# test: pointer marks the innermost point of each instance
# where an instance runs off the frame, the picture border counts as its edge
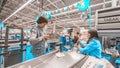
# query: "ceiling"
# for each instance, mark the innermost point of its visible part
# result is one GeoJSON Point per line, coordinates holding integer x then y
{"type": "Point", "coordinates": [26, 16]}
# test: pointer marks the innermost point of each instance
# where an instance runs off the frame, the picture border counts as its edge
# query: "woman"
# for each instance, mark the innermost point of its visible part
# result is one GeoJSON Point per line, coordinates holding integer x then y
{"type": "Point", "coordinates": [38, 42]}
{"type": "Point", "coordinates": [93, 46]}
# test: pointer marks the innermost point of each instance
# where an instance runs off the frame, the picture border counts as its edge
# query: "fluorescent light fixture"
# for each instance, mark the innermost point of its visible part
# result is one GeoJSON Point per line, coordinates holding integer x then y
{"type": "Point", "coordinates": [29, 1]}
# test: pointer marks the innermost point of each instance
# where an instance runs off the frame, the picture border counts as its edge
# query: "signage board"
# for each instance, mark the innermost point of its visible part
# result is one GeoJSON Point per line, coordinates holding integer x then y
{"type": "Point", "coordinates": [108, 21]}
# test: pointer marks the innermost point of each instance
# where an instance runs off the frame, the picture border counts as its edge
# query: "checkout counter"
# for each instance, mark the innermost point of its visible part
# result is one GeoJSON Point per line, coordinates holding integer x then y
{"type": "Point", "coordinates": [71, 59]}
{"type": "Point", "coordinates": [11, 49]}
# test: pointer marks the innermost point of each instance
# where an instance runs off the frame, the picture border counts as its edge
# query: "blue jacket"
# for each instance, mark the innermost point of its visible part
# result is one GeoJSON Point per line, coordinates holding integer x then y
{"type": "Point", "coordinates": [93, 48]}
{"type": "Point", "coordinates": [118, 46]}
{"type": "Point", "coordinates": [62, 39]}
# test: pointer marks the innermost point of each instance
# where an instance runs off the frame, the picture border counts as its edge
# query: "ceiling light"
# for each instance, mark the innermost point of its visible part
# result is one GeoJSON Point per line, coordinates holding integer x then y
{"type": "Point", "coordinates": [29, 1]}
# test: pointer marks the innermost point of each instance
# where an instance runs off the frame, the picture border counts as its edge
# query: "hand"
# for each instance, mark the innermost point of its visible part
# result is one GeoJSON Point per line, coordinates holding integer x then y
{"type": "Point", "coordinates": [46, 37]}
{"type": "Point", "coordinates": [76, 46]}
{"type": "Point", "coordinates": [79, 39]}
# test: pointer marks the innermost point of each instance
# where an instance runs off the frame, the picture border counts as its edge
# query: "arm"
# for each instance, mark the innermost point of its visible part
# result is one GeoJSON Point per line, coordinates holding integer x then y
{"type": "Point", "coordinates": [91, 46]}
{"type": "Point", "coordinates": [82, 44]}
{"type": "Point", "coordinates": [80, 38]}
{"type": "Point", "coordinates": [34, 40]}
{"type": "Point", "coordinates": [40, 38]}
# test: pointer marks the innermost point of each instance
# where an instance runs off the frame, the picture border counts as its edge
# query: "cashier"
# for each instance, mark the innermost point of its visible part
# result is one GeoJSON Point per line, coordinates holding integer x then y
{"type": "Point", "coordinates": [93, 46]}
{"type": "Point", "coordinates": [38, 42]}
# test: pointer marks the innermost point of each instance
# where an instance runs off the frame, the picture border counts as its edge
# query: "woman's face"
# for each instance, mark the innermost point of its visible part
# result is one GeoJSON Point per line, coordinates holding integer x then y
{"type": "Point", "coordinates": [41, 25]}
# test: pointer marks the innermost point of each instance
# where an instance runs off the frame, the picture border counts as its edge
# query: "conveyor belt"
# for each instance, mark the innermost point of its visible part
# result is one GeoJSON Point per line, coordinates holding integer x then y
{"type": "Point", "coordinates": [70, 60]}
{"type": "Point", "coordinates": [80, 62]}
{"type": "Point", "coordinates": [51, 61]}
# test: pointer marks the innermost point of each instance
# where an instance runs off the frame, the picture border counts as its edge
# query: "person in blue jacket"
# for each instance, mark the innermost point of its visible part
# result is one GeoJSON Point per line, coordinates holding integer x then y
{"type": "Point", "coordinates": [118, 46]}
{"type": "Point", "coordinates": [93, 46]}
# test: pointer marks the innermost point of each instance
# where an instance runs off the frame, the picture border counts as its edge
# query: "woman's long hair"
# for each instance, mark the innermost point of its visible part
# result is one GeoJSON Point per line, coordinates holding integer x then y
{"type": "Point", "coordinates": [93, 34]}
